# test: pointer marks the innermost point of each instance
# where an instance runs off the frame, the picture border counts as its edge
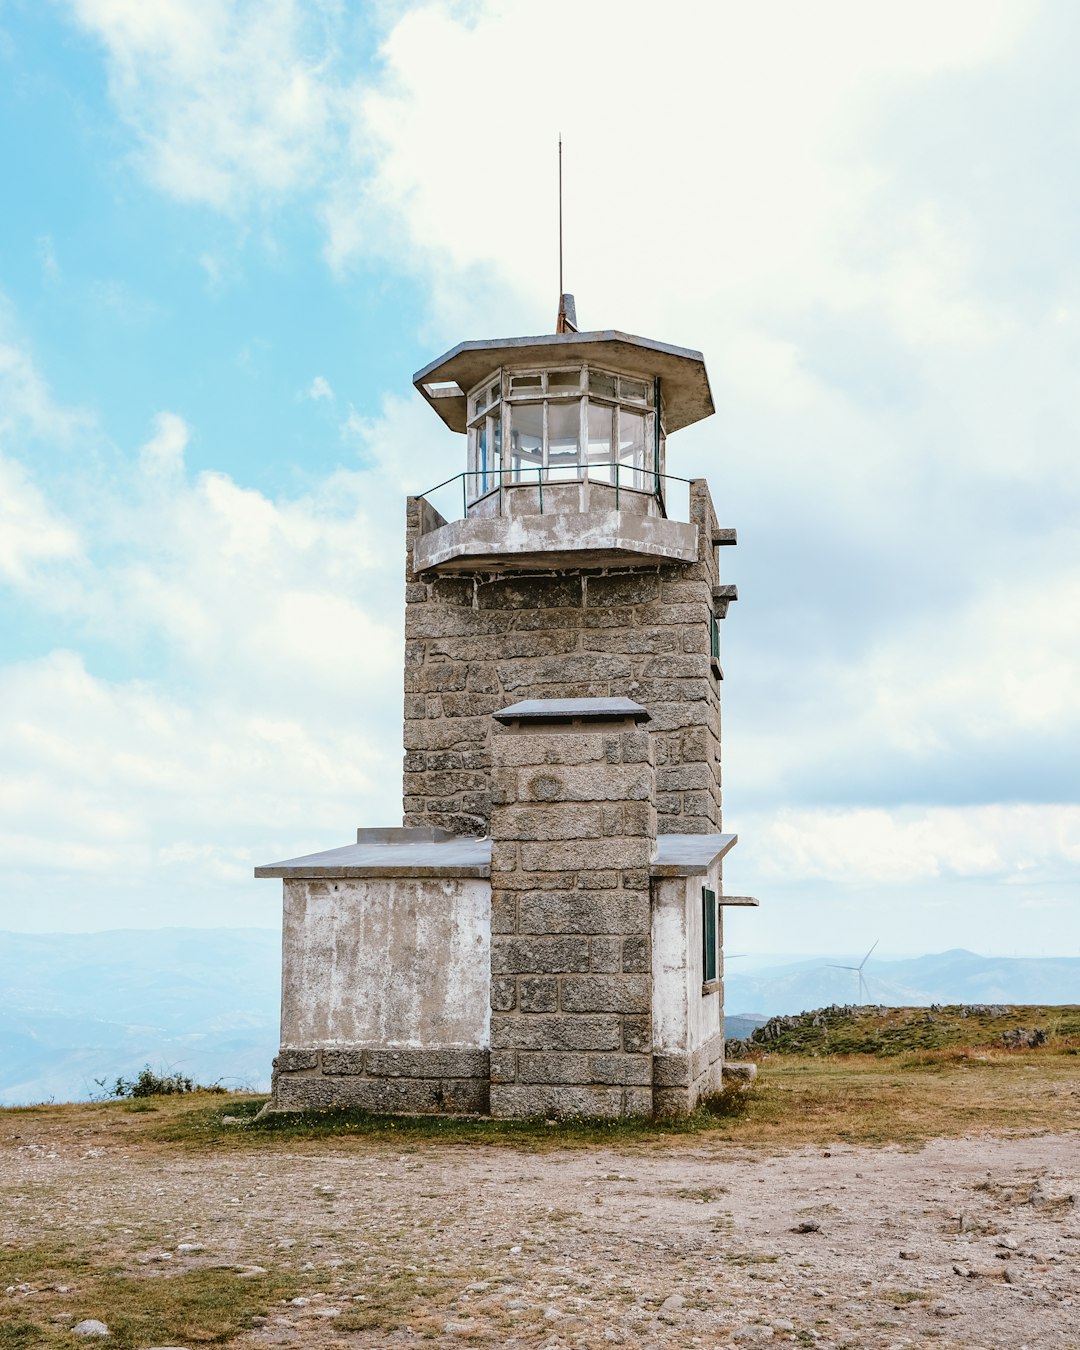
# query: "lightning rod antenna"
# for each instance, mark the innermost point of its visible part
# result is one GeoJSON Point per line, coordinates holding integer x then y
{"type": "Point", "coordinates": [567, 318]}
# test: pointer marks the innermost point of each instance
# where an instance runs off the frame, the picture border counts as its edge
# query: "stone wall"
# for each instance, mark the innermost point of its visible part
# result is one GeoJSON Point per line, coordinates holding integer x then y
{"type": "Point", "coordinates": [573, 820]}
{"type": "Point", "coordinates": [393, 1081]}
{"type": "Point", "coordinates": [475, 643]}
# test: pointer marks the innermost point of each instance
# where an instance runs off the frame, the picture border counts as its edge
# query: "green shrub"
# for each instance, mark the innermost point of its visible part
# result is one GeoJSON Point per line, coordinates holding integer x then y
{"type": "Point", "coordinates": [151, 1084]}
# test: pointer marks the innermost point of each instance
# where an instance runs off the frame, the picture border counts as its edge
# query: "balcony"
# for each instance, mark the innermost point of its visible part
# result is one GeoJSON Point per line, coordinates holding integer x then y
{"type": "Point", "coordinates": [539, 518]}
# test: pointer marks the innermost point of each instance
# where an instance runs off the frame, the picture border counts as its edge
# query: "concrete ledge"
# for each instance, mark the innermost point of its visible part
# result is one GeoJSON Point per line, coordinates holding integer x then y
{"type": "Point", "coordinates": [444, 855]}
{"type": "Point", "coordinates": [601, 538]}
{"type": "Point", "coordinates": [689, 855]}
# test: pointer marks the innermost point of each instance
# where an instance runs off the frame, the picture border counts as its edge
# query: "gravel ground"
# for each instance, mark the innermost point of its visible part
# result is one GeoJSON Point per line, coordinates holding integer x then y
{"type": "Point", "coordinates": [971, 1242]}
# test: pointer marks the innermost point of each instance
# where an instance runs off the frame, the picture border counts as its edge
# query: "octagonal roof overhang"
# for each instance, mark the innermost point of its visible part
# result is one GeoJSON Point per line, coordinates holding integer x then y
{"type": "Point", "coordinates": [445, 381]}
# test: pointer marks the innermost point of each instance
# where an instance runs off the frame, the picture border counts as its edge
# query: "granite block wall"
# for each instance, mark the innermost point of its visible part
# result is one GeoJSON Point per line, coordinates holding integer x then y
{"type": "Point", "coordinates": [573, 818]}
{"type": "Point", "coordinates": [478, 642]}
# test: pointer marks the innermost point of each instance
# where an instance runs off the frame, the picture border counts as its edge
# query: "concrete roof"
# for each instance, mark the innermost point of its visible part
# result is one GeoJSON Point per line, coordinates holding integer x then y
{"type": "Point", "coordinates": [685, 382]}
{"type": "Point", "coordinates": [385, 853]}
{"type": "Point", "coordinates": [409, 857]}
{"type": "Point", "coordinates": [582, 709]}
{"type": "Point", "coordinates": [689, 855]}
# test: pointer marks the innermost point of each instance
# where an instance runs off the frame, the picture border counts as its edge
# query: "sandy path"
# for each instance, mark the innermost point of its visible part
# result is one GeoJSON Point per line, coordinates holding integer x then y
{"type": "Point", "coordinates": [588, 1247]}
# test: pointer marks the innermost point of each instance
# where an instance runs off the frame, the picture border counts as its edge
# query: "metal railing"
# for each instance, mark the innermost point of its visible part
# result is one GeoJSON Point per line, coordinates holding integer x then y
{"type": "Point", "coordinates": [544, 474]}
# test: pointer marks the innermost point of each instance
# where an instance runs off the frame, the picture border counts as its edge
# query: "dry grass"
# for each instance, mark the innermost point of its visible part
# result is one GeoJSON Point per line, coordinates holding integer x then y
{"type": "Point", "coordinates": [205, 1306]}
{"type": "Point", "coordinates": [859, 1099]}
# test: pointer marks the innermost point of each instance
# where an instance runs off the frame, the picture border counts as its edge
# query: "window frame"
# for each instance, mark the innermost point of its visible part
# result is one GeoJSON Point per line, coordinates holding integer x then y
{"type": "Point", "coordinates": [490, 429]}
{"type": "Point", "coordinates": [710, 940]}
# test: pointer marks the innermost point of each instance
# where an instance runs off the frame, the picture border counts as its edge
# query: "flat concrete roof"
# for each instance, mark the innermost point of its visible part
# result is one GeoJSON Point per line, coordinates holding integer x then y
{"type": "Point", "coordinates": [398, 853]}
{"type": "Point", "coordinates": [581, 709]}
{"type": "Point", "coordinates": [684, 380]}
{"type": "Point", "coordinates": [689, 855]}
{"type": "Point", "coordinates": [452, 856]}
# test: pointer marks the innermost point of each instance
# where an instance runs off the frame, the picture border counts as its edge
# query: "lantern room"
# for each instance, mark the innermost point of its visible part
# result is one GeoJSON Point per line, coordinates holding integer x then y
{"type": "Point", "coordinates": [566, 439]}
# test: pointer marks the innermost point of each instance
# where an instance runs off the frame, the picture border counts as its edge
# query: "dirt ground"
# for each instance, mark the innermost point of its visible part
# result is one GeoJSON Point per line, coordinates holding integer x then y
{"type": "Point", "coordinates": [964, 1242]}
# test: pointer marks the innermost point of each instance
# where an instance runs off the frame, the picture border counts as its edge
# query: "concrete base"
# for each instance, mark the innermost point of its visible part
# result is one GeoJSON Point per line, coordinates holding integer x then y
{"type": "Point", "coordinates": [392, 1082]}
{"type": "Point", "coordinates": [680, 1081]}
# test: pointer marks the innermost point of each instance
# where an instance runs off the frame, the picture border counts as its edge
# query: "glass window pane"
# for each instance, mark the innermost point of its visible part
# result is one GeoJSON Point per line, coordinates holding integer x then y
{"type": "Point", "coordinates": [479, 484]}
{"type": "Point", "coordinates": [525, 381]}
{"type": "Point", "coordinates": [636, 390]}
{"type": "Point", "coordinates": [600, 419]}
{"type": "Point", "coordinates": [526, 440]}
{"type": "Point", "coordinates": [564, 426]}
{"type": "Point", "coordinates": [603, 386]}
{"type": "Point", "coordinates": [495, 425]}
{"type": "Point", "coordinates": [564, 379]}
{"type": "Point", "coordinates": [631, 448]}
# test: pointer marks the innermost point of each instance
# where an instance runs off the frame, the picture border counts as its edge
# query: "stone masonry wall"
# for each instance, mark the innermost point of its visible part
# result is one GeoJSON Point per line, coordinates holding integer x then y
{"type": "Point", "coordinates": [426, 1082]}
{"type": "Point", "coordinates": [573, 823]}
{"type": "Point", "coordinates": [478, 642]}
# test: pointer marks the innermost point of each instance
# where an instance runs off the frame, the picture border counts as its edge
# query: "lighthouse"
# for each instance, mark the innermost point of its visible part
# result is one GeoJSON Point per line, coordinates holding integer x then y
{"type": "Point", "coordinates": [543, 933]}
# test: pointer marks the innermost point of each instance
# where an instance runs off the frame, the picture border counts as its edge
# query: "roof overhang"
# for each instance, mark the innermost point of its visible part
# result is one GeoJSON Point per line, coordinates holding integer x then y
{"type": "Point", "coordinates": [687, 396]}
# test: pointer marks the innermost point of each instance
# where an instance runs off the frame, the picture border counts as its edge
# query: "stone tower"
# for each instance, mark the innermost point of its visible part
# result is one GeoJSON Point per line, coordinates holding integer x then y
{"type": "Point", "coordinates": [562, 746]}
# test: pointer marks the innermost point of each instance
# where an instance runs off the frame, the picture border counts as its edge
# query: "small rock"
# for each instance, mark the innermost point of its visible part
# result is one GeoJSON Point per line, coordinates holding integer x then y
{"type": "Point", "coordinates": [1009, 1242]}
{"type": "Point", "coordinates": [286, 1242]}
{"type": "Point", "coordinates": [782, 1324]}
{"type": "Point", "coordinates": [807, 1226]}
{"type": "Point", "coordinates": [90, 1326]}
{"type": "Point", "coordinates": [909, 1256]}
{"type": "Point", "coordinates": [941, 1309]}
{"type": "Point", "coordinates": [753, 1334]}
{"type": "Point", "coordinates": [250, 1272]}
{"type": "Point", "coordinates": [672, 1303]}
{"type": "Point", "coordinates": [516, 1304]}
{"type": "Point", "coordinates": [458, 1328]}
{"type": "Point", "coordinates": [187, 1247]}
{"type": "Point", "coordinates": [300, 1302]}
{"type": "Point", "coordinates": [1010, 1276]}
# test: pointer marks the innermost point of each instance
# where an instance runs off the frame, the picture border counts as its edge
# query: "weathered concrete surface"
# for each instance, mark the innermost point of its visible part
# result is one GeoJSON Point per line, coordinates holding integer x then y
{"type": "Point", "coordinates": [688, 1016]}
{"type": "Point", "coordinates": [446, 857]}
{"type": "Point", "coordinates": [603, 537]}
{"type": "Point", "coordinates": [385, 962]}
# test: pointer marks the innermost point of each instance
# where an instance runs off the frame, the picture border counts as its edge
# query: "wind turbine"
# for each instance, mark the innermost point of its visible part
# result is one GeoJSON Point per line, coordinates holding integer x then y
{"type": "Point", "coordinates": [863, 992]}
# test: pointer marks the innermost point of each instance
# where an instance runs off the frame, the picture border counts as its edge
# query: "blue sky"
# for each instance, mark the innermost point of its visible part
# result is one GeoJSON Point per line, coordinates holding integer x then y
{"type": "Point", "coordinates": [231, 231]}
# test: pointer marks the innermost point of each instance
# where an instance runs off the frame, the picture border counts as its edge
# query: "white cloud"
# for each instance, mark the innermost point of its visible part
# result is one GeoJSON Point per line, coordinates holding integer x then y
{"type": "Point", "coordinates": [268, 721]}
{"type": "Point", "coordinates": [873, 847]}
{"type": "Point", "coordinates": [30, 531]}
{"type": "Point", "coordinates": [228, 98]}
{"type": "Point", "coordinates": [319, 389]}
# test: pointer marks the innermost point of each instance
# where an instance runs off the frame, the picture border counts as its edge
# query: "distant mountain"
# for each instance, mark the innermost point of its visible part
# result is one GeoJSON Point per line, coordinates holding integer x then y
{"type": "Point", "coordinates": [956, 976]}
{"type": "Point", "coordinates": [77, 1007]}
